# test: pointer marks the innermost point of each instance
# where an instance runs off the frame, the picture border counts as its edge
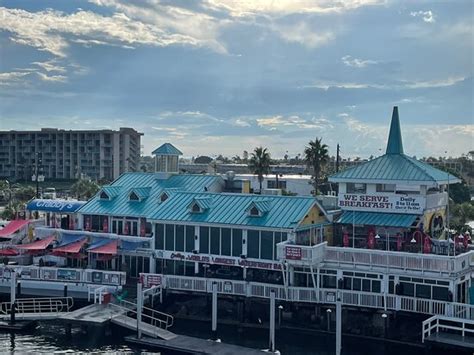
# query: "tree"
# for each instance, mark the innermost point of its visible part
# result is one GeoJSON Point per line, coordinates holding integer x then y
{"type": "Point", "coordinates": [203, 159]}
{"type": "Point", "coordinates": [84, 189]}
{"type": "Point", "coordinates": [462, 213]}
{"type": "Point", "coordinates": [25, 194]}
{"type": "Point", "coordinates": [316, 157]}
{"type": "Point", "coordinates": [259, 163]}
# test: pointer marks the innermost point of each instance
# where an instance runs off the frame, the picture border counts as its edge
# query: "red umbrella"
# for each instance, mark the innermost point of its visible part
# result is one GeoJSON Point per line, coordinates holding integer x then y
{"type": "Point", "coordinates": [105, 225]}
{"type": "Point", "coordinates": [399, 242]}
{"type": "Point", "coordinates": [427, 244]}
{"type": "Point", "coordinates": [88, 223]}
{"type": "Point", "coordinates": [126, 229]}
{"type": "Point", "coordinates": [142, 227]}
{"type": "Point", "coordinates": [371, 239]}
{"type": "Point", "coordinates": [71, 222]}
{"type": "Point", "coordinates": [345, 239]}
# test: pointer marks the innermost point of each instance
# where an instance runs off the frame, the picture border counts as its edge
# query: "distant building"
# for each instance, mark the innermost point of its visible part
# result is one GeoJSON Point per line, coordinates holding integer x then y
{"type": "Point", "coordinates": [68, 154]}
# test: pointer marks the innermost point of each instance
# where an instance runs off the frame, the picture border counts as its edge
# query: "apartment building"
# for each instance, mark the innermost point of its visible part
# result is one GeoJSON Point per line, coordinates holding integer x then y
{"type": "Point", "coordinates": [68, 154]}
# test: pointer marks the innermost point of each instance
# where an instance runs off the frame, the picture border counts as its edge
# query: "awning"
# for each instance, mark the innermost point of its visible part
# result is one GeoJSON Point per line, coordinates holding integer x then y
{"type": "Point", "coordinates": [37, 245]}
{"type": "Point", "coordinates": [8, 252]}
{"type": "Point", "coordinates": [57, 206]}
{"type": "Point", "coordinates": [110, 248]}
{"type": "Point", "coordinates": [129, 246]}
{"type": "Point", "coordinates": [13, 227]}
{"type": "Point", "coordinates": [378, 219]}
{"type": "Point", "coordinates": [72, 248]}
{"type": "Point", "coordinates": [68, 238]}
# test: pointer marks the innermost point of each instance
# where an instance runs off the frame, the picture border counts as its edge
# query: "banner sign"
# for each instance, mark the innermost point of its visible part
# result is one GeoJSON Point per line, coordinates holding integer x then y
{"type": "Point", "coordinates": [218, 260]}
{"type": "Point", "coordinates": [63, 206]}
{"type": "Point", "coordinates": [383, 203]}
{"type": "Point", "coordinates": [293, 253]}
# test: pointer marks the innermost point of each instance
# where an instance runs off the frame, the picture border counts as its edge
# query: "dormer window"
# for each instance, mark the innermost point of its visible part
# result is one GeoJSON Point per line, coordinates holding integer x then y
{"type": "Point", "coordinates": [133, 197]}
{"type": "Point", "coordinates": [195, 208]}
{"type": "Point", "coordinates": [254, 212]}
{"type": "Point", "coordinates": [103, 196]}
{"type": "Point", "coordinates": [164, 196]}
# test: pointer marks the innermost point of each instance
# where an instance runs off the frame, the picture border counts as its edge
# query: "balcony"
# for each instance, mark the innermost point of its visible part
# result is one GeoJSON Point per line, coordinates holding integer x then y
{"type": "Point", "coordinates": [301, 254]}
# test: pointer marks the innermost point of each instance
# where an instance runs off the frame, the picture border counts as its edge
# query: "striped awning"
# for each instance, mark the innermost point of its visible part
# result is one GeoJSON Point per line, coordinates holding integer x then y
{"type": "Point", "coordinates": [378, 219]}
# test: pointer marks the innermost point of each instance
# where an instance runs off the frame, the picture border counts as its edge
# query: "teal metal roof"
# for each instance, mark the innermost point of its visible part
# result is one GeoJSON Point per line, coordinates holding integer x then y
{"type": "Point", "coordinates": [204, 203]}
{"type": "Point", "coordinates": [167, 149]}
{"type": "Point", "coordinates": [262, 205]}
{"type": "Point", "coordinates": [378, 219]}
{"type": "Point", "coordinates": [142, 192]}
{"type": "Point", "coordinates": [145, 183]}
{"type": "Point", "coordinates": [231, 209]}
{"type": "Point", "coordinates": [394, 165]}
{"type": "Point", "coordinates": [111, 191]}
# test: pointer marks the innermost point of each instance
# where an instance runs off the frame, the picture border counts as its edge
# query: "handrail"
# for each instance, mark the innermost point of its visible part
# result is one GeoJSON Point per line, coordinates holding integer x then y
{"type": "Point", "coordinates": [437, 322]}
{"type": "Point", "coordinates": [38, 305]}
{"type": "Point", "coordinates": [153, 321]}
{"type": "Point", "coordinates": [169, 319]}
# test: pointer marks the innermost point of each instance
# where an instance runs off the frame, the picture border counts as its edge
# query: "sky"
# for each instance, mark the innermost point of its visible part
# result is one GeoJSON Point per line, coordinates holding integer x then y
{"type": "Point", "coordinates": [220, 77]}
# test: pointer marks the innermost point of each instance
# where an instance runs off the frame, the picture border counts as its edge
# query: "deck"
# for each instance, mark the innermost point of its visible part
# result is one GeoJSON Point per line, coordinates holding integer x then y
{"type": "Point", "coordinates": [190, 345]}
{"type": "Point", "coordinates": [451, 341]}
{"type": "Point", "coordinates": [97, 314]}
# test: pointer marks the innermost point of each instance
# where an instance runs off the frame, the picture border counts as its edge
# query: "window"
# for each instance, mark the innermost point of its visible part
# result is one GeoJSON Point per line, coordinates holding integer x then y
{"type": "Point", "coordinates": [195, 208]}
{"type": "Point", "coordinates": [189, 238]}
{"type": "Point", "coordinates": [272, 184]}
{"type": "Point", "coordinates": [204, 240]}
{"type": "Point", "coordinates": [226, 241]}
{"type": "Point", "coordinates": [254, 211]}
{"type": "Point", "coordinates": [104, 196]}
{"type": "Point", "coordinates": [169, 239]}
{"type": "Point", "coordinates": [353, 188]}
{"type": "Point", "coordinates": [266, 245]}
{"type": "Point", "coordinates": [236, 242]}
{"type": "Point", "coordinates": [179, 238]}
{"type": "Point", "coordinates": [440, 293]}
{"type": "Point", "coordinates": [385, 187]}
{"type": "Point", "coordinates": [423, 291]}
{"type": "Point", "coordinates": [159, 237]}
{"type": "Point", "coordinates": [133, 197]}
{"type": "Point", "coordinates": [215, 241]}
{"type": "Point", "coordinates": [253, 244]}
{"type": "Point", "coordinates": [163, 197]}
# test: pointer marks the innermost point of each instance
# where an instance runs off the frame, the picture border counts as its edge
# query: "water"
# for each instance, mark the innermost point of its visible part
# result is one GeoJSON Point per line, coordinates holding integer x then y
{"type": "Point", "coordinates": [51, 338]}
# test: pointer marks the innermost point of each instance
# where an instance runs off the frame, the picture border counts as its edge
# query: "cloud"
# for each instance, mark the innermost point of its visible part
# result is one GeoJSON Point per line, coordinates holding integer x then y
{"type": "Point", "coordinates": [286, 7]}
{"type": "Point", "coordinates": [427, 16]}
{"type": "Point", "coordinates": [302, 33]}
{"type": "Point", "coordinates": [15, 77]}
{"type": "Point", "coordinates": [51, 30]}
{"type": "Point", "coordinates": [357, 63]}
{"type": "Point", "coordinates": [434, 83]}
{"type": "Point", "coordinates": [50, 66]}
{"type": "Point", "coordinates": [52, 78]}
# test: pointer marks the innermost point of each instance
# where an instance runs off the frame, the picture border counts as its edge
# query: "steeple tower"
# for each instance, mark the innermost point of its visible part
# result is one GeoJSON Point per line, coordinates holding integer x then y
{"type": "Point", "coordinates": [394, 144]}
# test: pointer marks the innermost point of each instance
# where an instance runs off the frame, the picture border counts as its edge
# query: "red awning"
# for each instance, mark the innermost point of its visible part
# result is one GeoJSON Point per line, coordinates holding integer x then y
{"type": "Point", "coordinates": [8, 252]}
{"type": "Point", "coordinates": [12, 227]}
{"type": "Point", "coordinates": [72, 248]}
{"type": "Point", "coordinates": [38, 245]}
{"type": "Point", "coordinates": [109, 248]}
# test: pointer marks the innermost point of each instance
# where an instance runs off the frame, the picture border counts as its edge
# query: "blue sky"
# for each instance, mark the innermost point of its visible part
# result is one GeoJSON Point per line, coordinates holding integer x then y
{"type": "Point", "coordinates": [218, 76]}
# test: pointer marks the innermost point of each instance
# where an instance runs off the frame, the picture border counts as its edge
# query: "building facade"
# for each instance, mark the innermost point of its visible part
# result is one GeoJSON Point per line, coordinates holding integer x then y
{"type": "Point", "coordinates": [68, 154]}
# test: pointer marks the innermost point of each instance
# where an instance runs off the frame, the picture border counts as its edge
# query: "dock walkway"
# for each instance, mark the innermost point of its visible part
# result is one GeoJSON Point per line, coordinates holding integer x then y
{"type": "Point", "coordinates": [97, 314]}
{"type": "Point", "coordinates": [189, 345]}
{"type": "Point", "coordinates": [451, 341]}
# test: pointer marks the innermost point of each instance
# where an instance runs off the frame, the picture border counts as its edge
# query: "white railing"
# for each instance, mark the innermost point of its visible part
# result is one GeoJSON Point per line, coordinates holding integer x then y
{"type": "Point", "coordinates": [295, 253]}
{"type": "Point", "coordinates": [322, 296]}
{"type": "Point", "coordinates": [97, 293]}
{"type": "Point", "coordinates": [436, 323]}
{"type": "Point", "coordinates": [402, 260]}
{"type": "Point", "coordinates": [38, 305]}
{"type": "Point", "coordinates": [115, 278]}
{"type": "Point", "coordinates": [160, 319]}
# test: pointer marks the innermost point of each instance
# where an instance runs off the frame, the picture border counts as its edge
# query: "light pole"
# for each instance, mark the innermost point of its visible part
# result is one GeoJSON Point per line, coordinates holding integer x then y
{"type": "Point", "coordinates": [328, 317]}
{"type": "Point", "coordinates": [280, 309]}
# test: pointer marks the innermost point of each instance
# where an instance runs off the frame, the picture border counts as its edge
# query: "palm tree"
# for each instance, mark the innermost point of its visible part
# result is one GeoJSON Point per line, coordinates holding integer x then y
{"type": "Point", "coordinates": [316, 156]}
{"type": "Point", "coordinates": [259, 163]}
{"type": "Point", "coordinates": [84, 189]}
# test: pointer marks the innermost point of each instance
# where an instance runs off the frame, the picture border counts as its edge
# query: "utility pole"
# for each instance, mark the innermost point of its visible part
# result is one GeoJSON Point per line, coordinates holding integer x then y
{"type": "Point", "coordinates": [337, 158]}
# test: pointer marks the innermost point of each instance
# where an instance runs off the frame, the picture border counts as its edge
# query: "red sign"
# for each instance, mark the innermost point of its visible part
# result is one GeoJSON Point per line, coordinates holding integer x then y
{"type": "Point", "coordinates": [152, 280]}
{"type": "Point", "coordinates": [293, 253]}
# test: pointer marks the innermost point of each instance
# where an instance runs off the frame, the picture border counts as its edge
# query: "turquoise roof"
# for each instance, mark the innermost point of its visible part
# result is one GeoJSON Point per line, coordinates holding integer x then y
{"type": "Point", "coordinates": [142, 192]}
{"type": "Point", "coordinates": [204, 203]}
{"type": "Point", "coordinates": [144, 184]}
{"type": "Point", "coordinates": [111, 191]}
{"type": "Point", "coordinates": [378, 219]}
{"type": "Point", "coordinates": [167, 149]}
{"type": "Point", "coordinates": [232, 209]}
{"type": "Point", "coordinates": [262, 205]}
{"type": "Point", "coordinates": [394, 165]}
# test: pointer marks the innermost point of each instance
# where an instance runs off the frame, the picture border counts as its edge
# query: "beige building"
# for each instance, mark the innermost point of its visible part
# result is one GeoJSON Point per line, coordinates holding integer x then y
{"type": "Point", "coordinates": [68, 154]}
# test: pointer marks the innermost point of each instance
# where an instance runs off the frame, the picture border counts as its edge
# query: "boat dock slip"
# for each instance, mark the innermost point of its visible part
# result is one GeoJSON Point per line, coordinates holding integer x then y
{"type": "Point", "coordinates": [451, 341]}
{"type": "Point", "coordinates": [189, 345]}
{"type": "Point", "coordinates": [97, 314]}
{"type": "Point", "coordinates": [146, 328]}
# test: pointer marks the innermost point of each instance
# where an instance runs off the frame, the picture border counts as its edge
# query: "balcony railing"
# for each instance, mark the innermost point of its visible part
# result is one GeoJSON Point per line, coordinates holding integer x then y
{"type": "Point", "coordinates": [301, 254]}
{"type": "Point", "coordinates": [400, 260]}
{"type": "Point", "coordinates": [436, 200]}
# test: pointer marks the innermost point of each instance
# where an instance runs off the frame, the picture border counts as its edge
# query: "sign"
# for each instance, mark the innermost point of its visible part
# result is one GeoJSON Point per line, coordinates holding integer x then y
{"type": "Point", "coordinates": [112, 279]}
{"type": "Point", "coordinates": [152, 280]}
{"type": "Point", "coordinates": [97, 277]}
{"type": "Point", "coordinates": [228, 286]}
{"type": "Point", "coordinates": [410, 204]}
{"type": "Point", "coordinates": [218, 260]}
{"type": "Point", "coordinates": [63, 206]}
{"type": "Point", "coordinates": [292, 253]}
{"type": "Point", "coordinates": [64, 274]}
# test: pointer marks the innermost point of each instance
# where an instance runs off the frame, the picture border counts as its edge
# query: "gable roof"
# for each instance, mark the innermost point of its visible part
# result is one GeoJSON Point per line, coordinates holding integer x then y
{"type": "Point", "coordinates": [262, 205]}
{"type": "Point", "coordinates": [231, 209]}
{"type": "Point", "coordinates": [204, 203]}
{"type": "Point", "coordinates": [142, 192]}
{"type": "Point", "coordinates": [145, 183]}
{"type": "Point", "coordinates": [111, 191]}
{"type": "Point", "coordinates": [167, 149]}
{"type": "Point", "coordinates": [394, 165]}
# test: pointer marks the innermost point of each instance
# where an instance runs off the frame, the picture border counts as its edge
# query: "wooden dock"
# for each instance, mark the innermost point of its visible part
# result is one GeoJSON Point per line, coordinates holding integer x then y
{"type": "Point", "coordinates": [453, 341]}
{"type": "Point", "coordinates": [183, 344]}
{"type": "Point", "coordinates": [147, 329]}
{"type": "Point", "coordinates": [96, 314]}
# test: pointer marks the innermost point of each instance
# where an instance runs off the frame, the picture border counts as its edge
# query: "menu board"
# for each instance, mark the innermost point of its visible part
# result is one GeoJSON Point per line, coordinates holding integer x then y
{"type": "Point", "coordinates": [64, 274]}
